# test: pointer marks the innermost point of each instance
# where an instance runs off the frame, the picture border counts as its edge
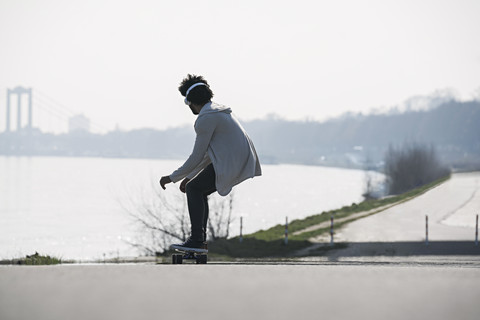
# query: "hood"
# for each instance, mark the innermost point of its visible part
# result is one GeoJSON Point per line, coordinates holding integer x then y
{"type": "Point", "coordinates": [213, 107]}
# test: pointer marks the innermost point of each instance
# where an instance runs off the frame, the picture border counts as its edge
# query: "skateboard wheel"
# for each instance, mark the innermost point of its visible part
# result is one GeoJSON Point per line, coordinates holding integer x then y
{"type": "Point", "coordinates": [202, 259]}
{"type": "Point", "coordinates": [177, 259]}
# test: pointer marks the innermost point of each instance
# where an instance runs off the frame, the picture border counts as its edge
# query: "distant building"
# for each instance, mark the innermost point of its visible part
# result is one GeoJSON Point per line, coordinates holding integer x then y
{"type": "Point", "coordinates": [78, 123]}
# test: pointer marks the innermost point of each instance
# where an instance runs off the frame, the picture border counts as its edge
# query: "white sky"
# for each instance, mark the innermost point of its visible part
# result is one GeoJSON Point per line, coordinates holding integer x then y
{"type": "Point", "coordinates": [120, 62]}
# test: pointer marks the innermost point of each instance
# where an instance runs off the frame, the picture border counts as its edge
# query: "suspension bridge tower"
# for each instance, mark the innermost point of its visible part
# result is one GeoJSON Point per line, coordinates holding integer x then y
{"type": "Point", "coordinates": [19, 91]}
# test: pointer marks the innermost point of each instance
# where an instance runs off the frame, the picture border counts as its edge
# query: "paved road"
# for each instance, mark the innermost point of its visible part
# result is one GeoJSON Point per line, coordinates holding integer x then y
{"type": "Point", "coordinates": [451, 208]}
{"type": "Point", "coordinates": [310, 290]}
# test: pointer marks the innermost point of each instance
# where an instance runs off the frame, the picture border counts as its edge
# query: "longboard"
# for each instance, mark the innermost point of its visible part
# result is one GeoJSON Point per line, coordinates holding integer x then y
{"type": "Point", "coordinates": [177, 258]}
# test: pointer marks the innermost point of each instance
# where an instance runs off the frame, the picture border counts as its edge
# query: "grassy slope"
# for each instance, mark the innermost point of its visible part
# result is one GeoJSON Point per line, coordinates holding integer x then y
{"type": "Point", "coordinates": [34, 259]}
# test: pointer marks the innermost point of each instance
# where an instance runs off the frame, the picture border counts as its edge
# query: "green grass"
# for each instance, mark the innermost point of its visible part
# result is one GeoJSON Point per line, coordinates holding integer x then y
{"type": "Point", "coordinates": [270, 243]}
{"type": "Point", "coordinates": [34, 259]}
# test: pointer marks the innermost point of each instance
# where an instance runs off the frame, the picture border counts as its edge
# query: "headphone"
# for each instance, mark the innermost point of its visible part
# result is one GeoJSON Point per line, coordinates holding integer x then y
{"type": "Point", "coordinates": [189, 89]}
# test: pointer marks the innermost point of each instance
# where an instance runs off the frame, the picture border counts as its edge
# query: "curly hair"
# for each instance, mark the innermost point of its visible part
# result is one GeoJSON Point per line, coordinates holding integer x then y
{"type": "Point", "coordinates": [198, 95]}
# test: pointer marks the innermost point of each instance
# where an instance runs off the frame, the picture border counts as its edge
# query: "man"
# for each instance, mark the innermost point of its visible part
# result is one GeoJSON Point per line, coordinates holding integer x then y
{"type": "Point", "coordinates": [222, 157]}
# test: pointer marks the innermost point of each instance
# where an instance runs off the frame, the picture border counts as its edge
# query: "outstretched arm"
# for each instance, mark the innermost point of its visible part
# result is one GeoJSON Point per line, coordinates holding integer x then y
{"type": "Point", "coordinates": [198, 159]}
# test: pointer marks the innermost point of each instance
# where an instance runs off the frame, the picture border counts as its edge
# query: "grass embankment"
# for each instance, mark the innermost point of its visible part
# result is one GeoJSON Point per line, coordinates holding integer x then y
{"type": "Point", "coordinates": [270, 243]}
{"type": "Point", "coordinates": [34, 259]}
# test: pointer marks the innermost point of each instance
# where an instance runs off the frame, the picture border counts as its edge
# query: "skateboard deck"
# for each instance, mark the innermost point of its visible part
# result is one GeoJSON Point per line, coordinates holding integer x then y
{"type": "Point", "coordinates": [199, 257]}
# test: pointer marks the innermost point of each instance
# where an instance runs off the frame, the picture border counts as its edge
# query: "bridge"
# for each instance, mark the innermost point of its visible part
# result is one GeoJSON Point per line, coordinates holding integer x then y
{"type": "Point", "coordinates": [43, 113]}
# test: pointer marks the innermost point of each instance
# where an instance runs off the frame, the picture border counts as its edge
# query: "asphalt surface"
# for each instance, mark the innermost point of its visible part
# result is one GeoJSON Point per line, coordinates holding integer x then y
{"type": "Point", "coordinates": [312, 289]}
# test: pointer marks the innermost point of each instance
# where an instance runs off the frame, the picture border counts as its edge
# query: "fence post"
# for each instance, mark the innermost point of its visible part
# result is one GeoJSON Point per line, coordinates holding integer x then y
{"type": "Point", "coordinates": [241, 227]}
{"type": "Point", "coordinates": [426, 230]}
{"type": "Point", "coordinates": [476, 232]}
{"type": "Point", "coordinates": [331, 230]}
{"type": "Point", "coordinates": [286, 230]}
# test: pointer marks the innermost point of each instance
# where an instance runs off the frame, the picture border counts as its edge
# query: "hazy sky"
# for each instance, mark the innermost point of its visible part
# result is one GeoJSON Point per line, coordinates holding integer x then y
{"type": "Point", "coordinates": [120, 62]}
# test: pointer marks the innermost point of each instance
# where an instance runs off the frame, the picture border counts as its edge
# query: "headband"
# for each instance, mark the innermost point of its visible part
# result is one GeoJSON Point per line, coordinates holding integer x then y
{"type": "Point", "coordinates": [193, 86]}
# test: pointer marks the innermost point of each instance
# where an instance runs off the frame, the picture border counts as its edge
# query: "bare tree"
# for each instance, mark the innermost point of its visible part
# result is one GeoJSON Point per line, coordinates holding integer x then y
{"type": "Point", "coordinates": [369, 187]}
{"type": "Point", "coordinates": [220, 216]}
{"type": "Point", "coordinates": [163, 219]}
{"type": "Point", "coordinates": [412, 166]}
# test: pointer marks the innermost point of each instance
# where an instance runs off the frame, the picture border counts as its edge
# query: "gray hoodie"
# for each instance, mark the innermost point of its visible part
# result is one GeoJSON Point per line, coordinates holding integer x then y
{"type": "Point", "coordinates": [222, 141]}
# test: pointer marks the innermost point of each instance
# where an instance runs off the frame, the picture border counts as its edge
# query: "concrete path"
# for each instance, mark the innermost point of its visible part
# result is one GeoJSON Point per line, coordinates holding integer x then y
{"type": "Point", "coordinates": [451, 208]}
{"type": "Point", "coordinates": [400, 229]}
{"type": "Point", "coordinates": [312, 290]}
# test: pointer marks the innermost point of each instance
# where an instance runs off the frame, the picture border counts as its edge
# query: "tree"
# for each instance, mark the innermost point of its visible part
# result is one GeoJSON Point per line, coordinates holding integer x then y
{"type": "Point", "coordinates": [220, 216]}
{"type": "Point", "coordinates": [163, 219]}
{"type": "Point", "coordinates": [412, 166]}
{"type": "Point", "coordinates": [369, 186]}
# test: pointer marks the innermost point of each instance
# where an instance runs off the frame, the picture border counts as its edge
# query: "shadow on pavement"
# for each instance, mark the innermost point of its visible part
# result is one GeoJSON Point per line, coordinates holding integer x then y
{"type": "Point", "coordinates": [434, 248]}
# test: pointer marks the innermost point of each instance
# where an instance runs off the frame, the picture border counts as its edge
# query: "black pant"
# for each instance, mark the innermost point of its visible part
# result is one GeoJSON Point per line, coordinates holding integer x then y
{"type": "Point", "coordinates": [198, 189]}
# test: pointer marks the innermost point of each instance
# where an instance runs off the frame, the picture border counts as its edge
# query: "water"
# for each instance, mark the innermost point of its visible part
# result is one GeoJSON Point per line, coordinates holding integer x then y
{"type": "Point", "coordinates": [72, 207]}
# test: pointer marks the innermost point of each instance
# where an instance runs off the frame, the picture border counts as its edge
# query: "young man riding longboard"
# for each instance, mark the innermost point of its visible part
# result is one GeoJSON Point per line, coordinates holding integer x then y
{"type": "Point", "coordinates": [223, 156]}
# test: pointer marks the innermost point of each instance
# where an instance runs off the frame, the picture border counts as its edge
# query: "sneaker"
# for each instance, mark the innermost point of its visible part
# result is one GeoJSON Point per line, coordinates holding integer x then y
{"type": "Point", "coordinates": [191, 245]}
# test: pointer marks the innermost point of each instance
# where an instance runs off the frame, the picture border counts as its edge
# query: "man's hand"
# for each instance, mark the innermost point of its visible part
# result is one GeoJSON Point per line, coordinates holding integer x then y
{"type": "Point", "coordinates": [164, 181]}
{"type": "Point", "coordinates": [184, 184]}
